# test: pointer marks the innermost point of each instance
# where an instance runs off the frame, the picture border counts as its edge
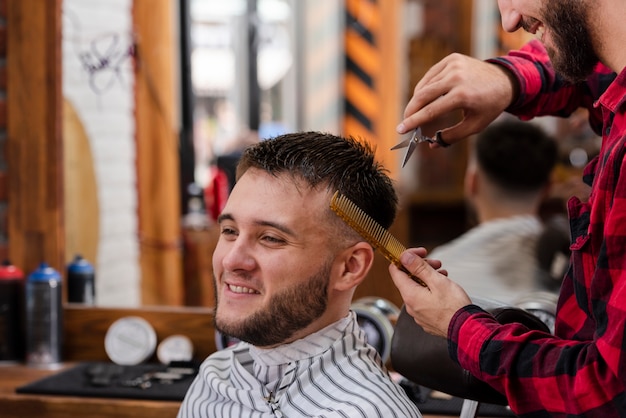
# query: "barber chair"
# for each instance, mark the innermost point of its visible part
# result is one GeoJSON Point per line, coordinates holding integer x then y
{"type": "Point", "coordinates": [423, 359]}
{"type": "Point", "coordinates": [375, 316]}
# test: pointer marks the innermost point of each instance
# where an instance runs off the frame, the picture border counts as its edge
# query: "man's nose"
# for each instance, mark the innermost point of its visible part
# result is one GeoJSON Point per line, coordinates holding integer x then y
{"type": "Point", "coordinates": [238, 255]}
{"type": "Point", "coordinates": [511, 18]}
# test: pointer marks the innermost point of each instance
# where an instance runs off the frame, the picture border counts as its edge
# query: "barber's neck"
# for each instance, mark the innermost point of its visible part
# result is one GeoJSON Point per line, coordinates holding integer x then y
{"type": "Point", "coordinates": [609, 44]}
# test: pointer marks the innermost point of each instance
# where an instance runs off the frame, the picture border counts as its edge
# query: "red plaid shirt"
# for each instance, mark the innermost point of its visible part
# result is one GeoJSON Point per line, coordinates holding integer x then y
{"type": "Point", "coordinates": [582, 369]}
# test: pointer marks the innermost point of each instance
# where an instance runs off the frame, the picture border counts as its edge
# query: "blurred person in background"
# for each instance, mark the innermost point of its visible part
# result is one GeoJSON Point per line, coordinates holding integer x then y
{"type": "Point", "coordinates": [507, 178]}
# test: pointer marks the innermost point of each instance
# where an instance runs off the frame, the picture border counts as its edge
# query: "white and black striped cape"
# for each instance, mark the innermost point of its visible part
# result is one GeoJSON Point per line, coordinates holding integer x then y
{"type": "Point", "coordinates": [331, 373]}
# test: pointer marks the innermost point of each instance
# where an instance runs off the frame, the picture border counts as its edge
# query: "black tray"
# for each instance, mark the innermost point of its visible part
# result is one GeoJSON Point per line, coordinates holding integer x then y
{"type": "Point", "coordinates": [79, 381]}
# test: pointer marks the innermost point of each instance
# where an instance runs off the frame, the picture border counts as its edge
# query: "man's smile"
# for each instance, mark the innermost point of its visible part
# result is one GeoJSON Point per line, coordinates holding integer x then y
{"type": "Point", "coordinates": [241, 289]}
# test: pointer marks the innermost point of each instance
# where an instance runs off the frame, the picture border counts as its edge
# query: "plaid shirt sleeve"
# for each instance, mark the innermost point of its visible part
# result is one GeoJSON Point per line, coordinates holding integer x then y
{"type": "Point", "coordinates": [581, 370]}
{"type": "Point", "coordinates": [543, 92]}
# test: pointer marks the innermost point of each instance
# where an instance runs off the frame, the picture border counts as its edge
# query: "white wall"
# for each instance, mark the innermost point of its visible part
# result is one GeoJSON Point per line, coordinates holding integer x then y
{"type": "Point", "coordinates": [98, 81]}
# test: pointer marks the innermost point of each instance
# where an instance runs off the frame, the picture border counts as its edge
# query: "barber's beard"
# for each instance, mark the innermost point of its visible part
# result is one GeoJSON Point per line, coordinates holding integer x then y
{"type": "Point", "coordinates": [287, 312]}
{"type": "Point", "coordinates": [573, 55]}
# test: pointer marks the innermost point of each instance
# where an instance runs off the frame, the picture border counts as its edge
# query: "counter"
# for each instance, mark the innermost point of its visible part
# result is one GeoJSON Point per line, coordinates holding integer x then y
{"type": "Point", "coordinates": [14, 405]}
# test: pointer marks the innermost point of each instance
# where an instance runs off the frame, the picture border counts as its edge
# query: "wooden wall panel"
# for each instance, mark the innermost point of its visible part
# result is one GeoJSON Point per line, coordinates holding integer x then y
{"type": "Point", "coordinates": [34, 146]}
{"type": "Point", "coordinates": [3, 117]}
{"type": "Point", "coordinates": [85, 329]}
{"type": "Point", "coordinates": [157, 153]}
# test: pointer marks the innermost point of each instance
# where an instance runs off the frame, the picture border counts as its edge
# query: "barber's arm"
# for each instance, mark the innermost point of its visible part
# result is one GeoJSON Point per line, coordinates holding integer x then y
{"type": "Point", "coordinates": [533, 369]}
{"type": "Point", "coordinates": [522, 82]}
{"type": "Point", "coordinates": [544, 92]}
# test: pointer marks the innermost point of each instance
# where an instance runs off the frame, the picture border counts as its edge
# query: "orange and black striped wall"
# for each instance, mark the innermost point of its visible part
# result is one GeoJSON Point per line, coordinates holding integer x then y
{"type": "Point", "coordinates": [372, 88]}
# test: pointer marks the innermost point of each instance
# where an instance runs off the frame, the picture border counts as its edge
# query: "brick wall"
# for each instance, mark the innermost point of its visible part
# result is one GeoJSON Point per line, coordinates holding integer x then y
{"type": "Point", "coordinates": [98, 81]}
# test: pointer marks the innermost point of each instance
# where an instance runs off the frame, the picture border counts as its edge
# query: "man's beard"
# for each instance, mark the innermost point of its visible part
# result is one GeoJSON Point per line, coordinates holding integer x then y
{"type": "Point", "coordinates": [287, 312]}
{"type": "Point", "coordinates": [573, 55]}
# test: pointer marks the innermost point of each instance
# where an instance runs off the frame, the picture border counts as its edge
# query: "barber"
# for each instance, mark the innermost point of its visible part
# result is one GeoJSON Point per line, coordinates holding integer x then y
{"type": "Point", "coordinates": [578, 61]}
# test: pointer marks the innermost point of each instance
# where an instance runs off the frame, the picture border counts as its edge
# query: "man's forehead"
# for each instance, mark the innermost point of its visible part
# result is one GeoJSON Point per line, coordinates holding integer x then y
{"type": "Point", "coordinates": [282, 197]}
{"type": "Point", "coordinates": [288, 183]}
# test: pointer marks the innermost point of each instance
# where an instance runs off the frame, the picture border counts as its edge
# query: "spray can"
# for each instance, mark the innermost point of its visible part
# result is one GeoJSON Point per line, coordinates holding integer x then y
{"type": "Point", "coordinates": [44, 317]}
{"type": "Point", "coordinates": [11, 313]}
{"type": "Point", "coordinates": [80, 282]}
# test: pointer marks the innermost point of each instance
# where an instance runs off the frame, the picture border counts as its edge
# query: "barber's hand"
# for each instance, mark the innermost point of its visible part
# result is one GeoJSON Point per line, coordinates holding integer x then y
{"type": "Point", "coordinates": [479, 89]}
{"type": "Point", "coordinates": [432, 307]}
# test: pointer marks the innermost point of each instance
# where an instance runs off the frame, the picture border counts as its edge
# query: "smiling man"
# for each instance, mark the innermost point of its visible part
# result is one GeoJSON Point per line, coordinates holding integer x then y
{"type": "Point", "coordinates": [577, 61]}
{"type": "Point", "coordinates": [285, 270]}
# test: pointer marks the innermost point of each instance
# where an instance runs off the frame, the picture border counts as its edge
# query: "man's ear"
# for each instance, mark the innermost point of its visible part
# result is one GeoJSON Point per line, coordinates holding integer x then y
{"type": "Point", "coordinates": [352, 266]}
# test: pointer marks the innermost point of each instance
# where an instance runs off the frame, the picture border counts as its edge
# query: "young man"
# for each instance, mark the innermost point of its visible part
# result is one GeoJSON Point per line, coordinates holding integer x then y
{"type": "Point", "coordinates": [285, 269]}
{"type": "Point", "coordinates": [578, 61]}
{"type": "Point", "coordinates": [508, 176]}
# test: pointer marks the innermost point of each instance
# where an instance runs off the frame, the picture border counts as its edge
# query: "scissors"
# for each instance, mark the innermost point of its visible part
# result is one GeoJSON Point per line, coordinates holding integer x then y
{"type": "Point", "coordinates": [418, 138]}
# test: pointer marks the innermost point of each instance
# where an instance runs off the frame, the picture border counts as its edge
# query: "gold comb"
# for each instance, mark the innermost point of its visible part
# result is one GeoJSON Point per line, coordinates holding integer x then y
{"type": "Point", "coordinates": [371, 231]}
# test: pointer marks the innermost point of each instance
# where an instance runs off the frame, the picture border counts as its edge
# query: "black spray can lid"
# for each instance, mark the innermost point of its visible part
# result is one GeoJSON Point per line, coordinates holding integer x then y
{"type": "Point", "coordinates": [80, 266]}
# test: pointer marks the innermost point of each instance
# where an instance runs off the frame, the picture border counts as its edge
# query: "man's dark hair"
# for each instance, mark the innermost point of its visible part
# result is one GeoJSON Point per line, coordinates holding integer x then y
{"type": "Point", "coordinates": [517, 156]}
{"type": "Point", "coordinates": [325, 160]}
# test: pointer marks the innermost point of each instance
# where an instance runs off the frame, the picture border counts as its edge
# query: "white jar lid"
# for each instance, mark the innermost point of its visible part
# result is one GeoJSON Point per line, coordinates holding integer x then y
{"type": "Point", "coordinates": [175, 348]}
{"type": "Point", "coordinates": [130, 340]}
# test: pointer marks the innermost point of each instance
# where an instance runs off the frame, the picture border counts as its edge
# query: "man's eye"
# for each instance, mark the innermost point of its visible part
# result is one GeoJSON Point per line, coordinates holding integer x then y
{"type": "Point", "coordinates": [273, 240]}
{"type": "Point", "coordinates": [228, 231]}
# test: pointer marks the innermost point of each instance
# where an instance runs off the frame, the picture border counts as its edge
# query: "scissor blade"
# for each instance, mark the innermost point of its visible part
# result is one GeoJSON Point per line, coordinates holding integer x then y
{"type": "Point", "coordinates": [409, 152]}
{"type": "Point", "coordinates": [402, 144]}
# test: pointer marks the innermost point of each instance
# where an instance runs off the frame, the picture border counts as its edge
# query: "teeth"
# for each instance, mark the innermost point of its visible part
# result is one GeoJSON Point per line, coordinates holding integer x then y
{"type": "Point", "coordinates": [241, 289]}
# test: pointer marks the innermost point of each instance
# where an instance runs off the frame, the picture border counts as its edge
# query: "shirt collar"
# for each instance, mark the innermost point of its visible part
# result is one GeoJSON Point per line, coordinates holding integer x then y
{"type": "Point", "coordinates": [614, 96]}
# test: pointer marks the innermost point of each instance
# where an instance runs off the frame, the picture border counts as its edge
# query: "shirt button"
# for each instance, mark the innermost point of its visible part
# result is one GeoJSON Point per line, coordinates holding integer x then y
{"type": "Point", "coordinates": [607, 131]}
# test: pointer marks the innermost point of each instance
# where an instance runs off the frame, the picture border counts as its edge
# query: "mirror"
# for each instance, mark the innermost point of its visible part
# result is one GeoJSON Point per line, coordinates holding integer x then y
{"type": "Point", "coordinates": [120, 95]}
{"type": "Point", "coordinates": [109, 78]}
{"type": "Point", "coordinates": [118, 67]}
